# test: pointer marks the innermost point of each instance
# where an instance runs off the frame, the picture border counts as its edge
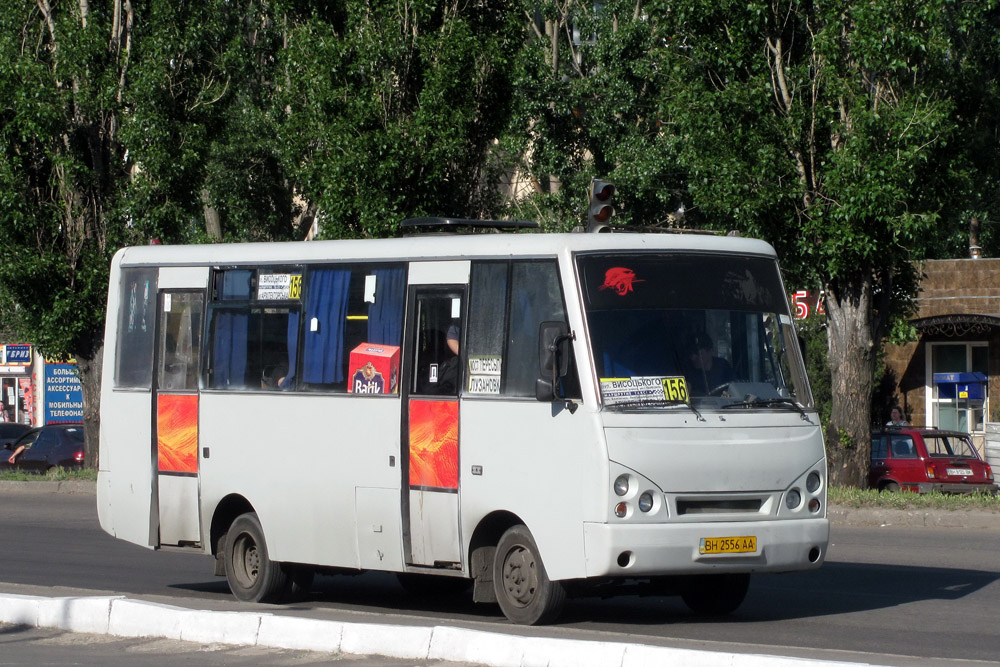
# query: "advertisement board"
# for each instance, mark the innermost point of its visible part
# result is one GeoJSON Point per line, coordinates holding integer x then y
{"type": "Point", "coordinates": [63, 394]}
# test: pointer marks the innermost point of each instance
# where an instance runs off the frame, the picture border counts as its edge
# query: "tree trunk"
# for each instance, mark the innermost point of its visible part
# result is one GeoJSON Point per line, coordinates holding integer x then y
{"type": "Point", "coordinates": [90, 381]}
{"type": "Point", "coordinates": [852, 360]}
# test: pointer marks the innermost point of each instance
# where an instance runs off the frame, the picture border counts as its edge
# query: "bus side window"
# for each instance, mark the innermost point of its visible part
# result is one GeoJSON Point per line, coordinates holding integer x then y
{"type": "Point", "coordinates": [508, 303]}
{"type": "Point", "coordinates": [134, 356]}
{"type": "Point", "coordinates": [535, 297]}
{"type": "Point", "coordinates": [250, 348]}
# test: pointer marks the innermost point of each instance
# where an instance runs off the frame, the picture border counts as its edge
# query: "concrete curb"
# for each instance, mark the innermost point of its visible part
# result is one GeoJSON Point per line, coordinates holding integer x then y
{"type": "Point", "coordinates": [122, 617]}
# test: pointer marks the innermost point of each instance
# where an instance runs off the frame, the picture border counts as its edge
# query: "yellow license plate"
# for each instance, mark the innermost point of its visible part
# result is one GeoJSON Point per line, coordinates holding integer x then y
{"type": "Point", "coordinates": [728, 545]}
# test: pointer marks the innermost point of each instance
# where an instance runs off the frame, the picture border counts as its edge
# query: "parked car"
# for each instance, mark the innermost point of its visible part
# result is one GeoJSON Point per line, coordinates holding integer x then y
{"type": "Point", "coordinates": [10, 432]}
{"type": "Point", "coordinates": [47, 447]}
{"type": "Point", "coordinates": [925, 460]}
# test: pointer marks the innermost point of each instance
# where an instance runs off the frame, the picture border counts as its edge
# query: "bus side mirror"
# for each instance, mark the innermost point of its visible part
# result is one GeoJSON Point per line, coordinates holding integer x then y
{"type": "Point", "coordinates": [553, 358]}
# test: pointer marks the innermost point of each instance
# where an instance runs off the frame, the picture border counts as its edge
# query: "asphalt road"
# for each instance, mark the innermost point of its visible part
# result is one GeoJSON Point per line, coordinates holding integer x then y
{"type": "Point", "coordinates": [887, 595]}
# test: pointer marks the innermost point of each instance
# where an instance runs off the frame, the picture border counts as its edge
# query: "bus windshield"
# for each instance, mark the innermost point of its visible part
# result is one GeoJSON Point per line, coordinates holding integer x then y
{"type": "Point", "coordinates": [708, 330]}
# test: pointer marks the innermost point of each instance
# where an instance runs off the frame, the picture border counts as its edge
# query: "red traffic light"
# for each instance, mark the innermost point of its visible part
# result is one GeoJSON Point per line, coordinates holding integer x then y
{"type": "Point", "coordinates": [601, 207]}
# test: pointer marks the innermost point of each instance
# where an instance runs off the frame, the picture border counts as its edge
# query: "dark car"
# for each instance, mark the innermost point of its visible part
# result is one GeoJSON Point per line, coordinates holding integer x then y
{"type": "Point", "coordinates": [925, 460]}
{"type": "Point", "coordinates": [47, 447]}
{"type": "Point", "coordinates": [10, 432]}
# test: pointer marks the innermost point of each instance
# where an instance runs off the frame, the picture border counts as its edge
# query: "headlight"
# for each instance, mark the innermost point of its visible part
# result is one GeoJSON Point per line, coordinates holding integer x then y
{"type": "Point", "coordinates": [621, 509]}
{"type": "Point", "coordinates": [646, 502]}
{"type": "Point", "coordinates": [812, 482]}
{"type": "Point", "coordinates": [621, 485]}
{"type": "Point", "coordinates": [793, 499]}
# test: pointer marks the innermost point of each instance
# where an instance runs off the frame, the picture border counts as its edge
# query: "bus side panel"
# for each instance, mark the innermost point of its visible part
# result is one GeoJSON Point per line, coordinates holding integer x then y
{"type": "Point", "coordinates": [542, 463]}
{"type": "Point", "coordinates": [300, 460]}
{"type": "Point", "coordinates": [125, 480]}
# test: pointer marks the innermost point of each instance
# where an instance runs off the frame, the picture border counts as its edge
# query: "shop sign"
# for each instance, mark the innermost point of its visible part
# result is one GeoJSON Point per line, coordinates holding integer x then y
{"type": "Point", "coordinates": [63, 394]}
{"type": "Point", "coordinates": [17, 355]}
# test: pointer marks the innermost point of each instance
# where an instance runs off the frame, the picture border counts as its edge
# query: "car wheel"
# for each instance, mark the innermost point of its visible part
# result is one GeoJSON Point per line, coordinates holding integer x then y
{"type": "Point", "coordinates": [252, 575]}
{"type": "Point", "coordinates": [523, 589]}
{"type": "Point", "coordinates": [891, 487]}
{"type": "Point", "coordinates": [715, 594]}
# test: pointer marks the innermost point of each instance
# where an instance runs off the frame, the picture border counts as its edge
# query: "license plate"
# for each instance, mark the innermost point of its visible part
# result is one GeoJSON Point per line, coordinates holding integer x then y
{"type": "Point", "coordinates": [728, 545]}
{"type": "Point", "coordinates": [959, 472]}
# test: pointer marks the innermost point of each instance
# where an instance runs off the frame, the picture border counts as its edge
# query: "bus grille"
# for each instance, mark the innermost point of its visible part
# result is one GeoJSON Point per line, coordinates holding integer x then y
{"type": "Point", "coordinates": [727, 506]}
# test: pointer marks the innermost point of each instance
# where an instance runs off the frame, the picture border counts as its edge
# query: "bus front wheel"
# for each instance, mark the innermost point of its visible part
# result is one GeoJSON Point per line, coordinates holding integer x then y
{"type": "Point", "coordinates": [252, 575]}
{"type": "Point", "coordinates": [524, 591]}
{"type": "Point", "coordinates": [715, 594]}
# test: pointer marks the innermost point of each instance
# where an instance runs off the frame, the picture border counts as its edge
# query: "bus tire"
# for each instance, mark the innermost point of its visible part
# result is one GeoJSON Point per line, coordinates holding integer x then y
{"type": "Point", "coordinates": [526, 594]}
{"type": "Point", "coordinates": [715, 594]}
{"type": "Point", "coordinates": [252, 575]}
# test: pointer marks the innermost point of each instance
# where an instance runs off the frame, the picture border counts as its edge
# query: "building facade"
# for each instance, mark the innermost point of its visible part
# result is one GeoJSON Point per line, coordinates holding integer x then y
{"type": "Point", "coordinates": [948, 376]}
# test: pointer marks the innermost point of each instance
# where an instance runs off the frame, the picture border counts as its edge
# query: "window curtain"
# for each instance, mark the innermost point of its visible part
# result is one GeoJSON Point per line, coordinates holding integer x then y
{"type": "Point", "coordinates": [385, 316]}
{"type": "Point", "coordinates": [323, 358]}
{"type": "Point", "coordinates": [230, 349]}
{"type": "Point", "coordinates": [293, 345]}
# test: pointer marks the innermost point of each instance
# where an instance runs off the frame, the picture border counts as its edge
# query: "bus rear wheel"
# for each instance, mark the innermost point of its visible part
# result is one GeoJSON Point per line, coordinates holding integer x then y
{"type": "Point", "coordinates": [526, 594]}
{"type": "Point", "coordinates": [252, 575]}
{"type": "Point", "coordinates": [715, 594]}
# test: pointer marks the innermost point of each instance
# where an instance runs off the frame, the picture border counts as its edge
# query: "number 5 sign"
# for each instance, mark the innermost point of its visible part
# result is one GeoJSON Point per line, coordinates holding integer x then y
{"type": "Point", "coordinates": [805, 302]}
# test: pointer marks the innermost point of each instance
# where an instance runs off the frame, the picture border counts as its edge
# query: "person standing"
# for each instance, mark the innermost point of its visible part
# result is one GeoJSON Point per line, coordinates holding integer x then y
{"type": "Point", "coordinates": [896, 417]}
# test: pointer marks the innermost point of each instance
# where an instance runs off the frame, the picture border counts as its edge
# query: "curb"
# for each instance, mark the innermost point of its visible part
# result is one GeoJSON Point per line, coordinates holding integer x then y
{"type": "Point", "coordinates": [119, 616]}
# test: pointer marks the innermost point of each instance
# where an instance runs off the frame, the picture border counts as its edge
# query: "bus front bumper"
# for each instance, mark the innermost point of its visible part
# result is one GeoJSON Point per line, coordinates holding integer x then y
{"type": "Point", "coordinates": [643, 550]}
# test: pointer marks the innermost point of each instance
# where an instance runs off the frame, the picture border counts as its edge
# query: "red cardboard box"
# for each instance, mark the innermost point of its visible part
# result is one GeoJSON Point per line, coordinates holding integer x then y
{"type": "Point", "coordinates": [374, 369]}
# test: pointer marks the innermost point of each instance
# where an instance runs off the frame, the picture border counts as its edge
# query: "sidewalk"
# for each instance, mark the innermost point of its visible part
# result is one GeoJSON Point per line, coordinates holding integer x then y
{"type": "Point", "coordinates": [123, 617]}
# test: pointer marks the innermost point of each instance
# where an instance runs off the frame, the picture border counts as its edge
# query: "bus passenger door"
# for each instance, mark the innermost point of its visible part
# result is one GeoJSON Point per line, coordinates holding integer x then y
{"type": "Point", "coordinates": [175, 401]}
{"type": "Point", "coordinates": [430, 426]}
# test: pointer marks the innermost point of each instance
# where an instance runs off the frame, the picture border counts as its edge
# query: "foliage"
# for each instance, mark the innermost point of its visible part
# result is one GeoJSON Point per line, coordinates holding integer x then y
{"type": "Point", "coordinates": [392, 110]}
{"type": "Point", "coordinates": [838, 131]}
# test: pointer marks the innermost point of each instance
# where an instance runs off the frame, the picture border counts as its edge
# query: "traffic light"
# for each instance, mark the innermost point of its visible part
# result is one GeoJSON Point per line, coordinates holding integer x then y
{"type": "Point", "coordinates": [601, 207]}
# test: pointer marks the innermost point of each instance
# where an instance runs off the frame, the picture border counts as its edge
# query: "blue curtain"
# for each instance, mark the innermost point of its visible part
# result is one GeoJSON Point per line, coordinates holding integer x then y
{"type": "Point", "coordinates": [324, 356]}
{"type": "Point", "coordinates": [385, 316]}
{"type": "Point", "coordinates": [293, 344]}
{"type": "Point", "coordinates": [230, 349]}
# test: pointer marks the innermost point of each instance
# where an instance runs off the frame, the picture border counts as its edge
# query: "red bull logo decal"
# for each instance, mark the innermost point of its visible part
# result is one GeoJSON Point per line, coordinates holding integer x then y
{"type": "Point", "coordinates": [620, 280]}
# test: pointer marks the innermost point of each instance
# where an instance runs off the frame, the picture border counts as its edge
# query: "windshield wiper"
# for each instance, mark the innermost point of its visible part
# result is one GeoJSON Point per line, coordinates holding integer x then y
{"type": "Point", "coordinates": [767, 403]}
{"type": "Point", "coordinates": [658, 403]}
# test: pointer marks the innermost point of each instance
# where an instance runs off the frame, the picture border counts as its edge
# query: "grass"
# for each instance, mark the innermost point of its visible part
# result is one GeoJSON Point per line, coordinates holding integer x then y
{"type": "Point", "coordinates": [906, 501]}
{"type": "Point", "coordinates": [835, 495]}
{"type": "Point", "coordinates": [57, 475]}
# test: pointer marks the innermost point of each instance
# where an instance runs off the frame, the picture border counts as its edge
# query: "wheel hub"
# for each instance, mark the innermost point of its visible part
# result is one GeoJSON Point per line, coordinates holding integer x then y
{"type": "Point", "coordinates": [519, 576]}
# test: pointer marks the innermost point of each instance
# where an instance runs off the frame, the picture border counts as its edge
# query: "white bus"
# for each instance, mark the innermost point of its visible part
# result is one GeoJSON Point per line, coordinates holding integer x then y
{"type": "Point", "coordinates": [523, 414]}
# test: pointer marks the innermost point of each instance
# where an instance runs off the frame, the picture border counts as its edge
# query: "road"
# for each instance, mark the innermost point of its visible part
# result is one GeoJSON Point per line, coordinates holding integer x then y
{"type": "Point", "coordinates": [886, 595]}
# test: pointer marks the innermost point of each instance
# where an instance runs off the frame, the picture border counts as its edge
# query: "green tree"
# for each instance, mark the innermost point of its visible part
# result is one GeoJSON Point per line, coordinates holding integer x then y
{"type": "Point", "coordinates": [854, 136]}
{"type": "Point", "coordinates": [393, 109]}
{"type": "Point", "coordinates": [120, 124]}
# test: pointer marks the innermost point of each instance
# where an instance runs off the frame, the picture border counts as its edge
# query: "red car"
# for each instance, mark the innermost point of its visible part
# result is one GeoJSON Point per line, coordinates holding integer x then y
{"type": "Point", "coordinates": [925, 460]}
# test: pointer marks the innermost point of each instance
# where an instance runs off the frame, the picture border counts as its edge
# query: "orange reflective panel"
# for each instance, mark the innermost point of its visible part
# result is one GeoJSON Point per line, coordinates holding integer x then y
{"type": "Point", "coordinates": [177, 433]}
{"type": "Point", "coordinates": [434, 444]}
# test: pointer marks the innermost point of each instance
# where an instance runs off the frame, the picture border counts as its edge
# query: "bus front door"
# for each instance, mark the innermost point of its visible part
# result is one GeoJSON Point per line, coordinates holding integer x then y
{"type": "Point", "coordinates": [430, 427]}
{"type": "Point", "coordinates": [175, 401]}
